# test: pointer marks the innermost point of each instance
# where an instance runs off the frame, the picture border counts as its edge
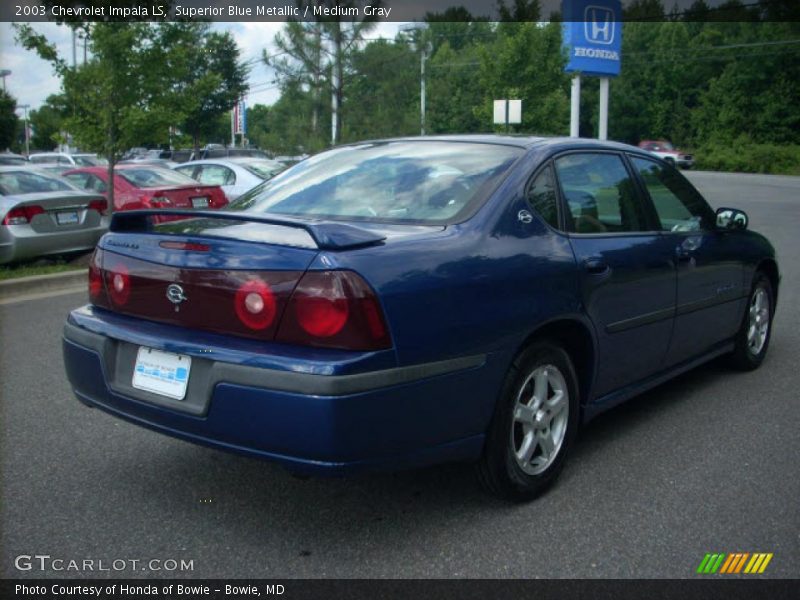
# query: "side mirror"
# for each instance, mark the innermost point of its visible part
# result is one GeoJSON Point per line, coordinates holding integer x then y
{"type": "Point", "coordinates": [731, 218]}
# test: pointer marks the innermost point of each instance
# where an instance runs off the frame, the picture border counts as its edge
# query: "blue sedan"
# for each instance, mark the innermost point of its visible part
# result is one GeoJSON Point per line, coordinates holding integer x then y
{"type": "Point", "coordinates": [407, 302]}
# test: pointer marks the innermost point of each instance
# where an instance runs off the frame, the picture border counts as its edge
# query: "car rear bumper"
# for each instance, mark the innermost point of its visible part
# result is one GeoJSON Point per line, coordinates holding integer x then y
{"type": "Point", "coordinates": [20, 242]}
{"type": "Point", "coordinates": [326, 424]}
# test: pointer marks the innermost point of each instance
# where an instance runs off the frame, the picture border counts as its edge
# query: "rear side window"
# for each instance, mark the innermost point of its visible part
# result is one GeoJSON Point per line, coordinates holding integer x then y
{"type": "Point", "coordinates": [216, 175]}
{"type": "Point", "coordinates": [600, 194]}
{"type": "Point", "coordinates": [542, 197]}
{"type": "Point", "coordinates": [678, 205]}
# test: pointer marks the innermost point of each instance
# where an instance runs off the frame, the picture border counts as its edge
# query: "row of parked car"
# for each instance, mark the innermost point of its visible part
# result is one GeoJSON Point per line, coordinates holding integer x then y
{"type": "Point", "coordinates": [60, 205]}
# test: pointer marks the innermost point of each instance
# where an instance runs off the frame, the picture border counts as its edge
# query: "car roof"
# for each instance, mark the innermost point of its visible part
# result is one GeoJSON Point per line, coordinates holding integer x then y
{"type": "Point", "coordinates": [520, 141]}
{"type": "Point", "coordinates": [227, 160]}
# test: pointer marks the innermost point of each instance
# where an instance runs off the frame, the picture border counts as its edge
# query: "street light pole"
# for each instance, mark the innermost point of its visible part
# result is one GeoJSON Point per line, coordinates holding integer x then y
{"type": "Point", "coordinates": [4, 73]}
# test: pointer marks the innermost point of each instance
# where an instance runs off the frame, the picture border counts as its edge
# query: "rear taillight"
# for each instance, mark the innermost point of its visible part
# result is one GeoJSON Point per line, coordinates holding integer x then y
{"type": "Point", "coordinates": [97, 290]}
{"type": "Point", "coordinates": [218, 199]}
{"type": "Point", "coordinates": [100, 206]}
{"type": "Point", "coordinates": [334, 309]}
{"type": "Point", "coordinates": [157, 200]}
{"type": "Point", "coordinates": [255, 304]}
{"type": "Point", "coordinates": [21, 215]}
{"type": "Point", "coordinates": [118, 281]}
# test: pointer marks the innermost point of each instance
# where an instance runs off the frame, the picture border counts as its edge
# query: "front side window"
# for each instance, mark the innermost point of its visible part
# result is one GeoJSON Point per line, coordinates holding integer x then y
{"type": "Point", "coordinates": [677, 203]}
{"type": "Point", "coordinates": [600, 194]}
{"type": "Point", "coordinates": [542, 197]}
{"type": "Point", "coordinates": [404, 181]}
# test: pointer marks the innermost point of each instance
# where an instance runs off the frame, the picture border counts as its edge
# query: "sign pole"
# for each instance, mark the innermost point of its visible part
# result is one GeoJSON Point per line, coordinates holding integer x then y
{"type": "Point", "coordinates": [602, 133]}
{"type": "Point", "coordinates": [575, 109]}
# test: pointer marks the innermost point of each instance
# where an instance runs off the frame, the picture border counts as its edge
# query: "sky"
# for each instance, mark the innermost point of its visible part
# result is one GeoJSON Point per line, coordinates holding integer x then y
{"type": "Point", "coordinates": [32, 79]}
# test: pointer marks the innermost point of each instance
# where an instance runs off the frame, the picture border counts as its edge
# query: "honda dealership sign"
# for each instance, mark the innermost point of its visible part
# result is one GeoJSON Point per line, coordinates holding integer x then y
{"type": "Point", "coordinates": [593, 36]}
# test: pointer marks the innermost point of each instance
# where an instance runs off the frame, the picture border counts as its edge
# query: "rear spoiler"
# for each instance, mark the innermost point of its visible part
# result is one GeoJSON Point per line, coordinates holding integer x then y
{"type": "Point", "coordinates": [327, 235]}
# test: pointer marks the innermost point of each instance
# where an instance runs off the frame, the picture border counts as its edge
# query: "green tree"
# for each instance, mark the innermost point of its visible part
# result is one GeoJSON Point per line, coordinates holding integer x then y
{"type": "Point", "coordinates": [49, 122]}
{"type": "Point", "coordinates": [204, 75]}
{"type": "Point", "coordinates": [8, 120]}
{"type": "Point", "coordinates": [258, 124]}
{"type": "Point", "coordinates": [383, 92]}
{"type": "Point", "coordinates": [302, 60]}
{"type": "Point", "coordinates": [526, 62]}
{"type": "Point", "coordinates": [108, 97]}
{"type": "Point", "coordinates": [325, 46]}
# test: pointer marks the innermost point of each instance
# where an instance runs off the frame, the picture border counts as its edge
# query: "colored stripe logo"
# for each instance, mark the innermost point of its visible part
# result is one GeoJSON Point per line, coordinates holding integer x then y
{"type": "Point", "coordinates": [734, 562]}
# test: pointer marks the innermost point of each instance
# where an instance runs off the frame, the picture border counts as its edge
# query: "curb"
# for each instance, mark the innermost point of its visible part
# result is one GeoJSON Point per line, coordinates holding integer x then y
{"type": "Point", "coordinates": [38, 284]}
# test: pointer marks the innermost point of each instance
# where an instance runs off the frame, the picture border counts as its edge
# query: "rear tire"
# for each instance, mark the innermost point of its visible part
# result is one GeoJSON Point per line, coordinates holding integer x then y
{"type": "Point", "coordinates": [534, 425]}
{"type": "Point", "coordinates": [752, 339]}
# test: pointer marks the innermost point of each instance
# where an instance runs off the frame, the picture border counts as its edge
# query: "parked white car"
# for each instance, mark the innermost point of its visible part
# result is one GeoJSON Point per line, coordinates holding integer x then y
{"type": "Point", "coordinates": [235, 175]}
{"type": "Point", "coordinates": [84, 159]}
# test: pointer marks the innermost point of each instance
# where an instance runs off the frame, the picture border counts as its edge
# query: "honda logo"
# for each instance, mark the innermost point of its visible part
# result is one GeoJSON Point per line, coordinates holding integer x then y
{"type": "Point", "coordinates": [599, 25]}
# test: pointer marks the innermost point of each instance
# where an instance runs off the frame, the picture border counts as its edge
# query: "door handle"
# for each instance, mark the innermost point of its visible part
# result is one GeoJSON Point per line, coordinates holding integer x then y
{"type": "Point", "coordinates": [596, 266]}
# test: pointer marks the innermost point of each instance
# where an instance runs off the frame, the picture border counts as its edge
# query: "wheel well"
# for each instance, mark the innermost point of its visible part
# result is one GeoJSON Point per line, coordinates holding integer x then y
{"type": "Point", "coordinates": [770, 268]}
{"type": "Point", "coordinates": [574, 337]}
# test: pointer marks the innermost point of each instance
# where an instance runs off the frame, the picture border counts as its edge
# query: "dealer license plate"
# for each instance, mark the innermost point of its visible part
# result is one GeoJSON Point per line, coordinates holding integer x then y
{"type": "Point", "coordinates": [162, 373]}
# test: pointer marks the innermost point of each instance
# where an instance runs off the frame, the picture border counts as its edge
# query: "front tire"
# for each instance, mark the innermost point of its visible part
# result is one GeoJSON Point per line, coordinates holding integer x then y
{"type": "Point", "coordinates": [752, 339]}
{"type": "Point", "coordinates": [534, 424]}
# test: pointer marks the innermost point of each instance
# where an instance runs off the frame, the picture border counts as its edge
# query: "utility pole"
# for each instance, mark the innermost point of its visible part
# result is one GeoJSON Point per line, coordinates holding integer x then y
{"type": "Point", "coordinates": [4, 73]}
{"type": "Point", "coordinates": [25, 108]}
{"type": "Point", "coordinates": [74, 49]}
{"type": "Point", "coordinates": [425, 49]}
{"type": "Point", "coordinates": [334, 105]}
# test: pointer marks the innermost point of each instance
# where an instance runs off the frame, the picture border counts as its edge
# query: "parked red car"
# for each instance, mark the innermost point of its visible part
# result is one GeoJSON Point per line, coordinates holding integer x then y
{"type": "Point", "coordinates": [149, 186]}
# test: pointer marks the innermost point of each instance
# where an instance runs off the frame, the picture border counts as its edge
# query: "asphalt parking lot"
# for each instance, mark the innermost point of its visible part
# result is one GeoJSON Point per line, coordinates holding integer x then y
{"type": "Point", "coordinates": [709, 462]}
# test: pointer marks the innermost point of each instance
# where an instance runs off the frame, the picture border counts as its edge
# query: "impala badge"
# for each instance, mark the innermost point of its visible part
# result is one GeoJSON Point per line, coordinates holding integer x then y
{"type": "Point", "coordinates": [175, 295]}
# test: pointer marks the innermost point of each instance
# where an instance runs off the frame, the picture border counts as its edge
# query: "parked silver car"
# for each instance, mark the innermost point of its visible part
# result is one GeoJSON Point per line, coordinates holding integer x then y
{"type": "Point", "coordinates": [235, 175]}
{"type": "Point", "coordinates": [42, 214]}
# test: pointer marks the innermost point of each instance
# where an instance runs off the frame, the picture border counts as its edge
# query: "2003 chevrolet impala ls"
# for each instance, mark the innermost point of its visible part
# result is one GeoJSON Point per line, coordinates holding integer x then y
{"type": "Point", "coordinates": [405, 302]}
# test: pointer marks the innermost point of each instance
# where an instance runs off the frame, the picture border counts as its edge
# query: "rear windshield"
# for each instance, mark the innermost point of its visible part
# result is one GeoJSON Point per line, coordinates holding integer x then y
{"type": "Point", "coordinates": [89, 160]}
{"type": "Point", "coordinates": [150, 177]}
{"type": "Point", "coordinates": [28, 182]}
{"type": "Point", "coordinates": [418, 182]}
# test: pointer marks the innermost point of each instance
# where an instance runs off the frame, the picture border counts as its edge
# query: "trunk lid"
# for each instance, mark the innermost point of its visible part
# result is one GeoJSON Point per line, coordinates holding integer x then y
{"type": "Point", "coordinates": [188, 196]}
{"type": "Point", "coordinates": [61, 210]}
{"type": "Point", "coordinates": [200, 272]}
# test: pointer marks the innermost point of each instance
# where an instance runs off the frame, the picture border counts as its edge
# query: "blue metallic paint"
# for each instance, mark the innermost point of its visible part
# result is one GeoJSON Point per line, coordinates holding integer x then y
{"type": "Point", "coordinates": [486, 286]}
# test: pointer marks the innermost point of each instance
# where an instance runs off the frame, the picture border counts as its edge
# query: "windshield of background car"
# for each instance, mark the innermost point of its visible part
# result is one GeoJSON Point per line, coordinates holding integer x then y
{"type": "Point", "coordinates": [28, 182]}
{"type": "Point", "coordinates": [418, 182]}
{"type": "Point", "coordinates": [265, 169]}
{"type": "Point", "coordinates": [150, 177]}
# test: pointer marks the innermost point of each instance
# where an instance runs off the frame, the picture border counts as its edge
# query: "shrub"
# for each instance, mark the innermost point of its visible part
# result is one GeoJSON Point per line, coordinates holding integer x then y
{"type": "Point", "coordinates": [747, 157]}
